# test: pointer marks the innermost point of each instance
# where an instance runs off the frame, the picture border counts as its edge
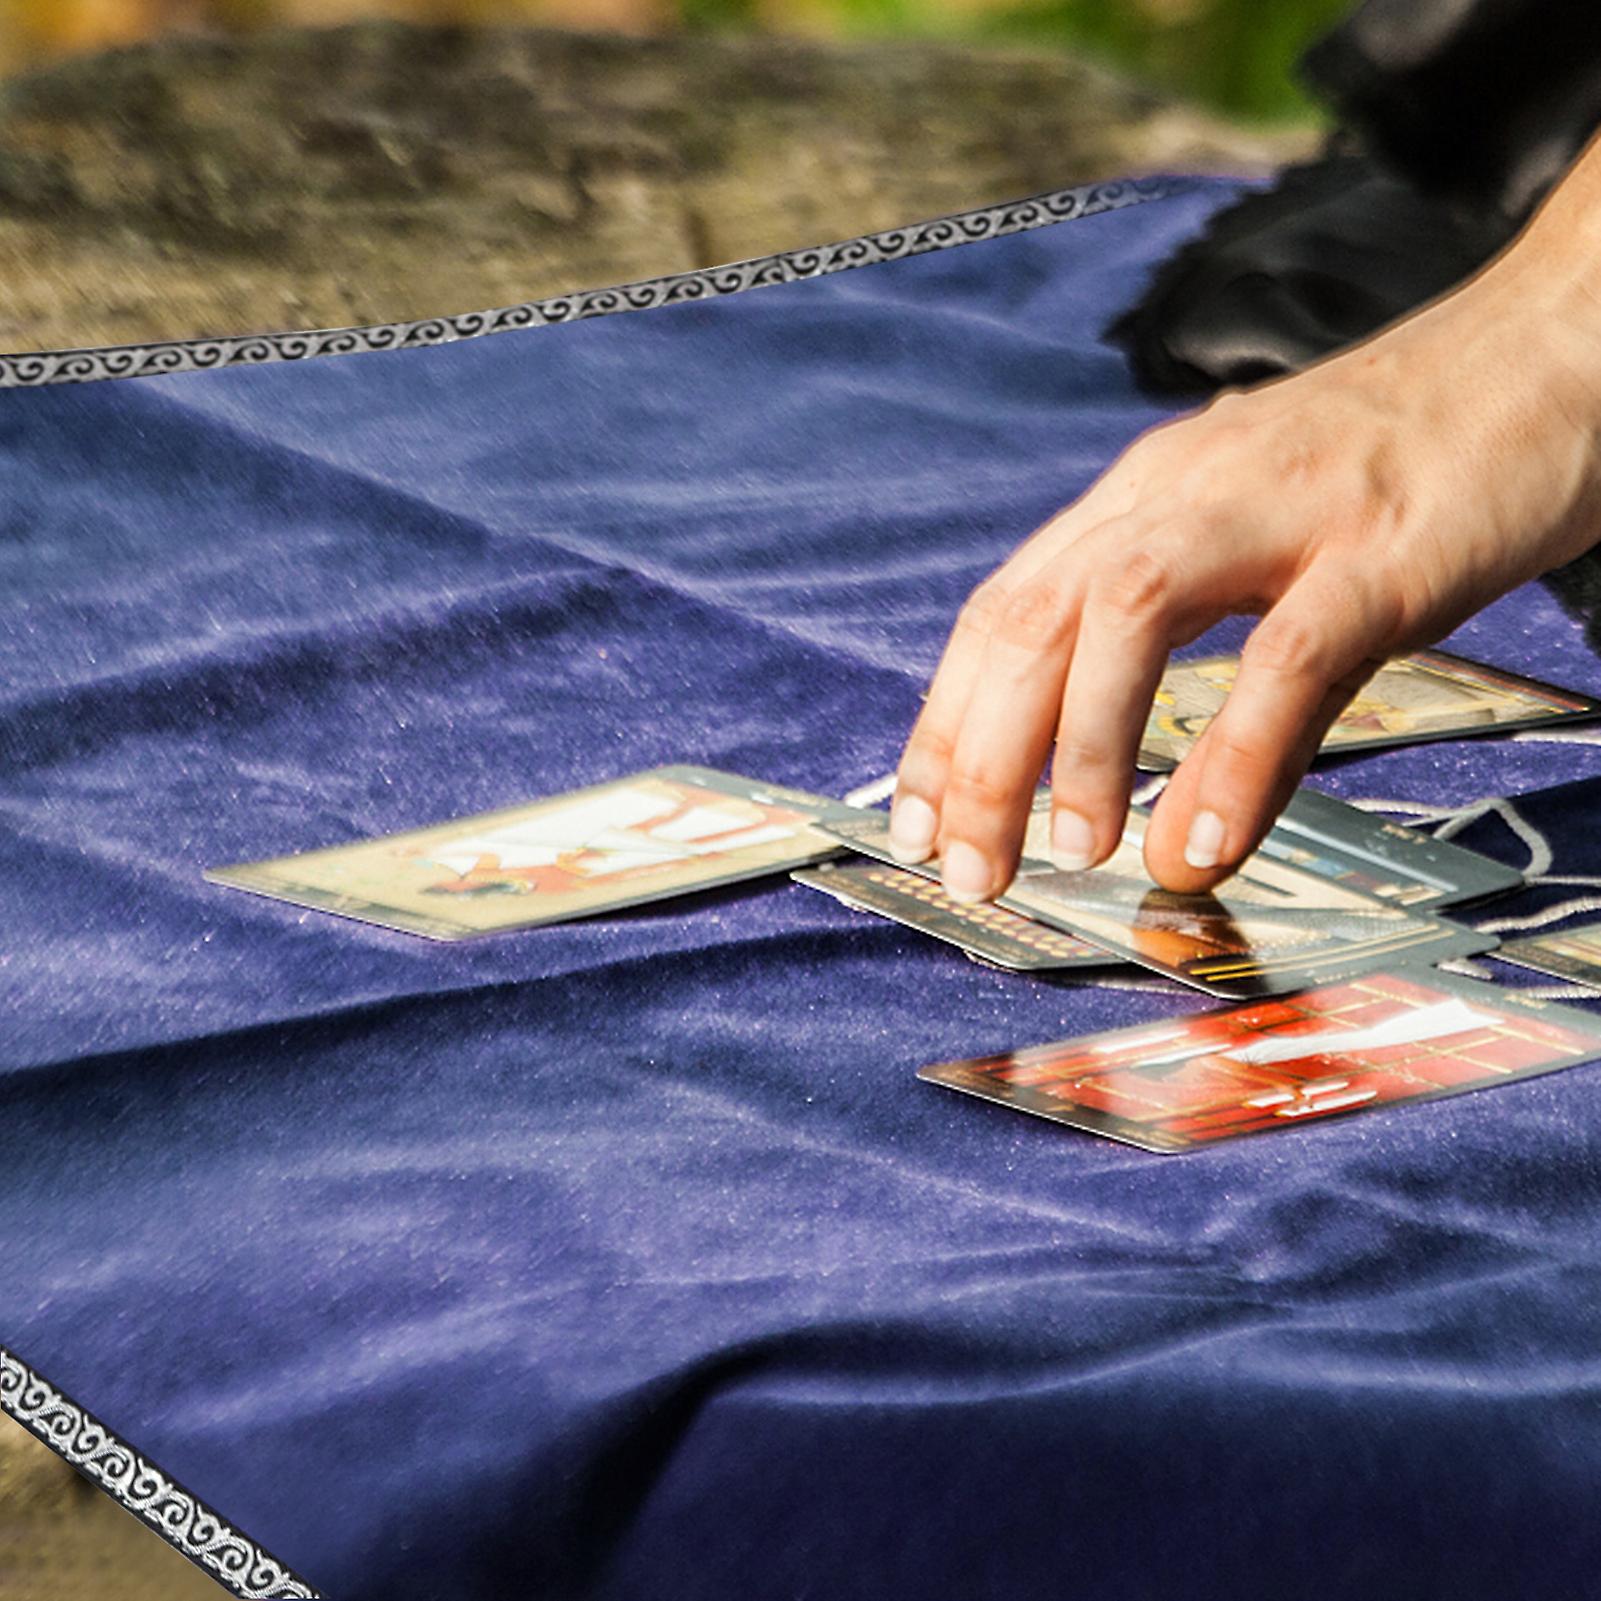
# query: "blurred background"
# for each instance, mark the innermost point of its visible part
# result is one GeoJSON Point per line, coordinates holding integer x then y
{"type": "Point", "coordinates": [1234, 56]}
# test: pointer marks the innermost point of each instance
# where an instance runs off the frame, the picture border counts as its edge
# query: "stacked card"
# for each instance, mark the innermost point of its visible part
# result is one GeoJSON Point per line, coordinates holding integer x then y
{"type": "Point", "coordinates": [1332, 893]}
{"type": "Point", "coordinates": [992, 933]}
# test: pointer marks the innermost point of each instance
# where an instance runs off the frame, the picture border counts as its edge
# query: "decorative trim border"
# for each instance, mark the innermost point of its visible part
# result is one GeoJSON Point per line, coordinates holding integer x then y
{"type": "Point", "coordinates": [35, 369]}
{"type": "Point", "coordinates": [181, 1519]}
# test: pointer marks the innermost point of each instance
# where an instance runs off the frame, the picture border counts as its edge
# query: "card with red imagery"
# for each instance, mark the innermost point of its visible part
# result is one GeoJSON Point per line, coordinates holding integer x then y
{"type": "Point", "coordinates": [1379, 1040]}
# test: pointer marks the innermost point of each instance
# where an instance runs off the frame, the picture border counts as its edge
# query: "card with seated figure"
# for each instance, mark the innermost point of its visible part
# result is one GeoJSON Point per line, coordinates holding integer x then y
{"type": "Point", "coordinates": [990, 932]}
{"type": "Point", "coordinates": [669, 831]}
{"type": "Point", "coordinates": [1378, 1040]}
{"type": "Point", "coordinates": [1430, 694]}
{"type": "Point", "coordinates": [1272, 928]}
{"type": "Point", "coordinates": [1251, 937]}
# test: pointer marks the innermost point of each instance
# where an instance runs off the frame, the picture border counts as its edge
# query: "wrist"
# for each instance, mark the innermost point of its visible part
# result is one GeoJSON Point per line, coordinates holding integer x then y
{"type": "Point", "coordinates": [1523, 340]}
{"type": "Point", "coordinates": [1547, 283]}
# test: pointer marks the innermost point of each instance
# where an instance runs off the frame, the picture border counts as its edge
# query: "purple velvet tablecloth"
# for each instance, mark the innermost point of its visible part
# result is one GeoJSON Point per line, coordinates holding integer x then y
{"type": "Point", "coordinates": [628, 1258]}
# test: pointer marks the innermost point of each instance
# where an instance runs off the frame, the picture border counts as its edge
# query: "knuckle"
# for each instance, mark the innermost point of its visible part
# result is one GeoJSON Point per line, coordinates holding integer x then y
{"type": "Point", "coordinates": [984, 608]}
{"type": "Point", "coordinates": [935, 742]}
{"type": "Point", "coordinates": [1148, 453]}
{"type": "Point", "coordinates": [972, 792]}
{"type": "Point", "coordinates": [1312, 448]}
{"type": "Point", "coordinates": [1228, 401]}
{"type": "Point", "coordinates": [1141, 590]}
{"type": "Point", "coordinates": [1298, 461]}
{"type": "Point", "coordinates": [1292, 647]}
{"type": "Point", "coordinates": [1076, 756]}
{"type": "Point", "coordinates": [1241, 754]}
{"type": "Point", "coordinates": [1036, 617]}
{"type": "Point", "coordinates": [1228, 418]}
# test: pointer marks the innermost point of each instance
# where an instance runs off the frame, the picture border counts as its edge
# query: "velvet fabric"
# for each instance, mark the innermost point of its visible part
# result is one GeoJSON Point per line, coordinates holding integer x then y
{"type": "Point", "coordinates": [628, 1258]}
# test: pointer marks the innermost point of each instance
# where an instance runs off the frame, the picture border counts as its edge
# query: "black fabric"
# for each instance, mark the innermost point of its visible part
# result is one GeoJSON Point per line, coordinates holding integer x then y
{"type": "Point", "coordinates": [1458, 117]}
{"type": "Point", "coordinates": [1336, 250]}
{"type": "Point", "coordinates": [1483, 100]}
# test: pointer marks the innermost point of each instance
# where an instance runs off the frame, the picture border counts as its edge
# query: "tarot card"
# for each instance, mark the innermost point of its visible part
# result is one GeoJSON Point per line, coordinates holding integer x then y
{"type": "Point", "coordinates": [1375, 1041]}
{"type": "Point", "coordinates": [1321, 878]}
{"type": "Point", "coordinates": [991, 932]}
{"type": "Point", "coordinates": [1270, 929]}
{"type": "Point", "coordinates": [1391, 863]}
{"type": "Point", "coordinates": [1574, 953]}
{"type": "Point", "coordinates": [666, 832]}
{"type": "Point", "coordinates": [1428, 695]}
{"type": "Point", "coordinates": [1227, 945]}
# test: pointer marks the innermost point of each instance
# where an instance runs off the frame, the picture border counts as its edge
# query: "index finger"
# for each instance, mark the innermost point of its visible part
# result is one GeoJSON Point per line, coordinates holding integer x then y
{"type": "Point", "coordinates": [1300, 668]}
{"type": "Point", "coordinates": [925, 764]}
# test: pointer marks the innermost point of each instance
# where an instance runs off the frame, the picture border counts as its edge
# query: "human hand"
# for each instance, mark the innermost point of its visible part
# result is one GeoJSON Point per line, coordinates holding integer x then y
{"type": "Point", "coordinates": [1362, 508]}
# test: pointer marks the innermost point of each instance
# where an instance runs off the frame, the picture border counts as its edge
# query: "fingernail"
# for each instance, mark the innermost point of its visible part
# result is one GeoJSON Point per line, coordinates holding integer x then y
{"type": "Point", "coordinates": [966, 873]}
{"type": "Point", "coordinates": [1072, 842]}
{"type": "Point", "coordinates": [1204, 847]}
{"type": "Point", "coordinates": [912, 825]}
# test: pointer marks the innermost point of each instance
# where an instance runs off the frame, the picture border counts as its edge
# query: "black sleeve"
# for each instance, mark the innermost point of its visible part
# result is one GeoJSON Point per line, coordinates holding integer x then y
{"type": "Point", "coordinates": [1457, 116]}
{"type": "Point", "coordinates": [1486, 101]}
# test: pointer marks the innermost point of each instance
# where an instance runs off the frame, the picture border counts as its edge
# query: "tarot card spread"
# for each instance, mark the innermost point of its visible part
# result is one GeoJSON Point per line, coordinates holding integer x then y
{"type": "Point", "coordinates": [655, 834]}
{"type": "Point", "coordinates": [1271, 929]}
{"type": "Point", "coordinates": [1428, 695]}
{"type": "Point", "coordinates": [1377, 1040]}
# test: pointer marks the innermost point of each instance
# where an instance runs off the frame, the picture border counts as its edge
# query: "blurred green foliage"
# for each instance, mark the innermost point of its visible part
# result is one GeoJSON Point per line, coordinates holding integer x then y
{"type": "Point", "coordinates": [1237, 56]}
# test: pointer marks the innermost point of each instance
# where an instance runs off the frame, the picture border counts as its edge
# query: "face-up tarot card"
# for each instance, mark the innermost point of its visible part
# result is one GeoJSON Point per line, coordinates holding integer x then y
{"type": "Point", "coordinates": [665, 832]}
{"type": "Point", "coordinates": [992, 932]}
{"type": "Point", "coordinates": [1375, 1041]}
{"type": "Point", "coordinates": [1270, 929]}
{"type": "Point", "coordinates": [1231, 944]}
{"type": "Point", "coordinates": [1428, 695]}
{"type": "Point", "coordinates": [1574, 953]}
{"type": "Point", "coordinates": [1394, 864]}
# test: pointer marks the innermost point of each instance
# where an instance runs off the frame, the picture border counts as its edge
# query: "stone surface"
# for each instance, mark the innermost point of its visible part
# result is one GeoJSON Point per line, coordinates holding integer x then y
{"type": "Point", "coordinates": [62, 1540]}
{"type": "Point", "coordinates": [382, 172]}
